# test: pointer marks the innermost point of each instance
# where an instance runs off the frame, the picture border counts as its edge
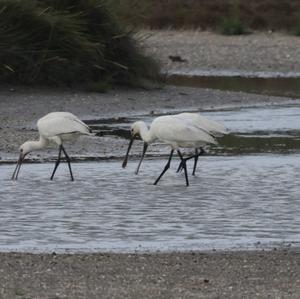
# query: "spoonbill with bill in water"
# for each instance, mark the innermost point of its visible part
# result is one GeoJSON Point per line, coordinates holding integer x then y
{"type": "Point", "coordinates": [184, 130]}
{"type": "Point", "coordinates": [56, 127]}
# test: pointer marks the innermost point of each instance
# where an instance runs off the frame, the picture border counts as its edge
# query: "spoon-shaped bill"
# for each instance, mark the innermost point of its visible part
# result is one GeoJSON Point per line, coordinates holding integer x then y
{"type": "Point", "coordinates": [143, 155]}
{"type": "Point", "coordinates": [17, 169]}
{"type": "Point", "coordinates": [127, 153]}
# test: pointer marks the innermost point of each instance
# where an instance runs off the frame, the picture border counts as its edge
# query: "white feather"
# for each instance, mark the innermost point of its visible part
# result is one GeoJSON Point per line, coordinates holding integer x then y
{"type": "Point", "coordinates": [214, 128]}
{"type": "Point", "coordinates": [61, 124]}
{"type": "Point", "coordinates": [180, 132]}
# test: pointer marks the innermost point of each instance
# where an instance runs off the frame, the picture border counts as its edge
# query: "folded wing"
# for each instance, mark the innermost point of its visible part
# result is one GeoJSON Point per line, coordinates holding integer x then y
{"type": "Point", "coordinates": [212, 127]}
{"type": "Point", "coordinates": [175, 129]}
{"type": "Point", "coordinates": [58, 123]}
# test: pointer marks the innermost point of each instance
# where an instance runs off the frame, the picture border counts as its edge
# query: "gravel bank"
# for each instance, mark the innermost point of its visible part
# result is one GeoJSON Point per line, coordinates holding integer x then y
{"type": "Point", "coordinates": [256, 274]}
{"type": "Point", "coordinates": [267, 52]}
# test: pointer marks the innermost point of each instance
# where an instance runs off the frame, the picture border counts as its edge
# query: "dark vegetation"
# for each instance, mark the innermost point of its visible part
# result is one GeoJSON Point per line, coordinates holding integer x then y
{"type": "Point", "coordinates": [232, 26]}
{"type": "Point", "coordinates": [227, 16]}
{"type": "Point", "coordinates": [68, 42]}
{"type": "Point", "coordinates": [296, 27]}
{"type": "Point", "coordinates": [72, 42]}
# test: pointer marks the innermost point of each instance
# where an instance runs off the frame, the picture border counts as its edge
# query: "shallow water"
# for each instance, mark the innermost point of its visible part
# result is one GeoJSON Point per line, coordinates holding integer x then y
{"type": "Point", "coordinates": [233, 202]}
{"type": "Point", "coordinates": [253, 130]}
{"type": "Point", "coordinates": [278, 84]}
{"type": "Point", "coordinates": [241, 198]}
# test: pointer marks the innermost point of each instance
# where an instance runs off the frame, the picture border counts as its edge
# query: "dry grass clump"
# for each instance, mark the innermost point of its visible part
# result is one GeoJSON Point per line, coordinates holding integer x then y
{"type": "Point", "coordinates": [68, 42]}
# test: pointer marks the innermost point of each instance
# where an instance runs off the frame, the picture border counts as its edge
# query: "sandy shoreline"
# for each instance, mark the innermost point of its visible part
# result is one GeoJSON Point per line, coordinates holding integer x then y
{"type": "Point", "coordinates": [245, 274]}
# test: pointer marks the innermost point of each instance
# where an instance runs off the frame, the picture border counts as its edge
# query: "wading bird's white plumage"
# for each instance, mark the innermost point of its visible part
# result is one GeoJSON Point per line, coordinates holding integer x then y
{"type": "Point", "coordinates": [188, 130]}
{"type": "Point", "coordinates": [212, 127]}
{"type": "Point", "coordinates": [63, 125]}
{"type": "Point", "coordinates": [56, 127]}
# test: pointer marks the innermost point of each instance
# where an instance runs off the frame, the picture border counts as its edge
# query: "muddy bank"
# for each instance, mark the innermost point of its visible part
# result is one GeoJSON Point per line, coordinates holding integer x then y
{"type": "Point", "coordinates": [256, 274]}
{"type": "Point", "coordinates": [21, 107]}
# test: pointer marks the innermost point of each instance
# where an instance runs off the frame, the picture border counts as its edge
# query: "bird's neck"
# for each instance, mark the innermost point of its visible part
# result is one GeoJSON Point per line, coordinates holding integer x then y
{"type": "Point", "coordinates": [146, 133]}
{"type": "Point", "coordinates": [36, 145]}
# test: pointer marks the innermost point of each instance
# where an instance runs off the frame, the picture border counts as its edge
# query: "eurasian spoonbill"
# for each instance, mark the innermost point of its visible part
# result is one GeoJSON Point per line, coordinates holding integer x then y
{"type": "Point", "coordinates": [185, 130]}
{"type": "Point", "coordinates": [212, 127]}
{"type": "Point", "coordinates": [56, 127]}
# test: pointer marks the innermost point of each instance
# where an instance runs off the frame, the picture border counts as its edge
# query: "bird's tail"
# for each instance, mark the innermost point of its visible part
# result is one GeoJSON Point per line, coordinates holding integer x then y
{"type": "Point", "coordinates": [89, 132]}
{"type": "Point", "coordinates": [92, 134]}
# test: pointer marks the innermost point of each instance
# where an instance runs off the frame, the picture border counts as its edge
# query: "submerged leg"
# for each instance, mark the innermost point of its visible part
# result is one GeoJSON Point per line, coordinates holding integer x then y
{"type": "Point", "coordinates": [57, 162]}
{"type": "Point", "coordinates": [195, 161]}
{"type": "Point", "coordinates": [143, 155]}
{"type": "Point", "coordinates": [197, 154]}
{"type": "Point", "coordinates": [166, 167]}
{"type": "Point", "coordinates": [183, 161]}
{"type": "Point", "coordinates": [69, 162]}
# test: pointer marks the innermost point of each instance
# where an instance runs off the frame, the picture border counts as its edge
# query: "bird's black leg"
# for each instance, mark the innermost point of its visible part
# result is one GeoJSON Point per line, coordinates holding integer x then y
{"type": "Point", "coordinates": [57, 162]}
{"type": "Point", "coordinates": [166, 167]}
{"type": "Point", "coordinates": [197, 154]}
{"type": "Point", "coordinates": [69, 162]}
{"type": "Point", "coordinates": [183, 161]}
{"type": "Point", "coordinates": [195, 161]}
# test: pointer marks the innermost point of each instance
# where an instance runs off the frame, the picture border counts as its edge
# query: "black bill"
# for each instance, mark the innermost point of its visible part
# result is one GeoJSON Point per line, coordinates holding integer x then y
{"type": "Point", "coordinates": [18, 166]}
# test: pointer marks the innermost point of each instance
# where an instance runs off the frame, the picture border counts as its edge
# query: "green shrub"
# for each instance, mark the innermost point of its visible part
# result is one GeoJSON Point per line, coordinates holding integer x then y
{"type": "Point", "coordinates": [232, 26]}
{"type": "Point", "coordinates": [68, 42]}
{"type": "Point", "coordinates": [296, 28]}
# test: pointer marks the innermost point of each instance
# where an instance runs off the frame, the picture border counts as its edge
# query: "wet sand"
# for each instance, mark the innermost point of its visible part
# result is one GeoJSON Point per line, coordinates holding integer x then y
{"type": "Point", "coordinates": [257, 274]}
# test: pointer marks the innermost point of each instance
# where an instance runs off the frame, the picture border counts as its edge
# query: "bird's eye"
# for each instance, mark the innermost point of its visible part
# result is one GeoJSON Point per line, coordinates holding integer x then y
{"type": "Point", "coordinates": [21, 150]}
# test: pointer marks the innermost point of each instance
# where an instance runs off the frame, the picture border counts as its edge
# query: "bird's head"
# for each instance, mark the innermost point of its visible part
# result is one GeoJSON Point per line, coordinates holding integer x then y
{"type": "Point", "coordinates": [26, 148]}
{"type": "Point", "coordinates": [135, 130]}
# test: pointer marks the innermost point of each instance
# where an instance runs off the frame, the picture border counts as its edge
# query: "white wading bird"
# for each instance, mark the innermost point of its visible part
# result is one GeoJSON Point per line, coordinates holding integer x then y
{"type": "Point", "coordinates": [187, 130]}
{"type": "Point", "coordinates": [213, 128]}
{"type": "Point", "coordinates": [54, 127]}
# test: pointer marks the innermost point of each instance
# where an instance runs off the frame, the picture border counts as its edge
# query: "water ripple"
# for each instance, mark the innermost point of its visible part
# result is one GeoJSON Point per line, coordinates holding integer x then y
{"type": "Point", "coordinates": [233, 201]}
